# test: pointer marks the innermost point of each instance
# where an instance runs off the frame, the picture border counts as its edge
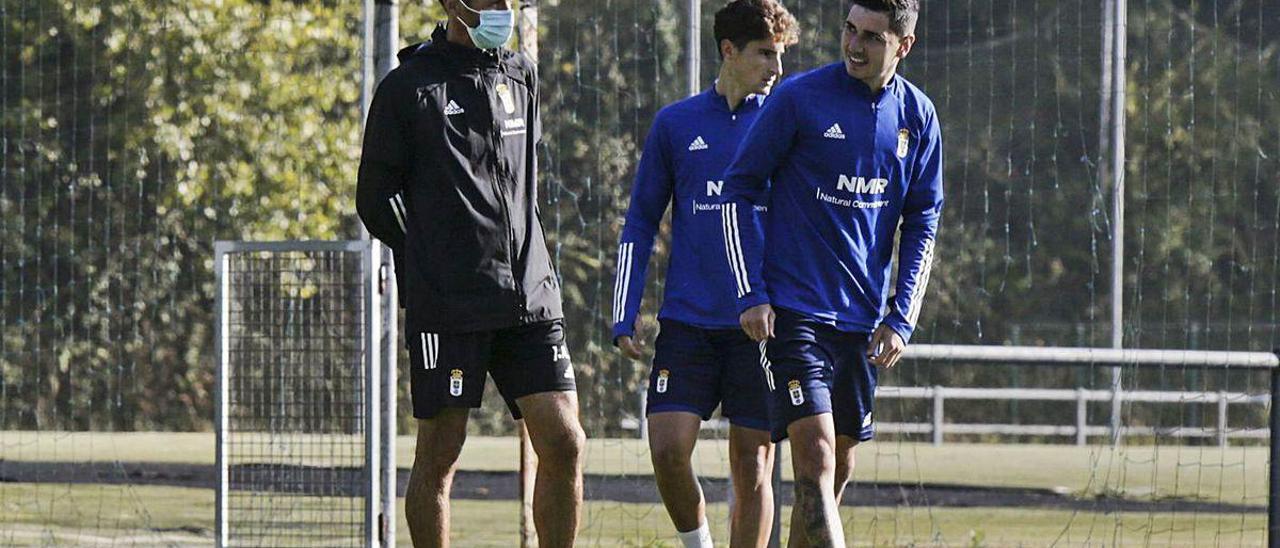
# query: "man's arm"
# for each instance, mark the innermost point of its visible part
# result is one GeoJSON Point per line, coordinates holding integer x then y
{"type": "Point", "coordinates": [746, 186]}
{"type": "Point", "coordinates": [649, 198]}
{"type": "Point", "coordinates": [920, 215]}
{"type": "Point", "coordinates": [384, 165]}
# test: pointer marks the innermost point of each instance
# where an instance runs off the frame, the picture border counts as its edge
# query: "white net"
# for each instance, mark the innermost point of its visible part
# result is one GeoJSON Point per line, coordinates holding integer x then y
{"type": "Point", "coordinates": [293, 343]}
{"type": "Point", "coordinates": [136, 134]}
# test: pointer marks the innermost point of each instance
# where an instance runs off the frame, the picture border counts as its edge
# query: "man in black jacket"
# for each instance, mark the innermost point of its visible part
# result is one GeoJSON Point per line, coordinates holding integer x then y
{"type": "Point", "coordinates": [448, 180]}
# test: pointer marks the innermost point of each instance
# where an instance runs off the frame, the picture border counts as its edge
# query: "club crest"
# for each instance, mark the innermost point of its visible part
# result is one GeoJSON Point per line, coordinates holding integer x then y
{"type": "Point", "coordinates": [455, 383]}
{"type": "Point", "coordinates": [504, 95]}
{"type": "Point", "coordinates": [797, 397]}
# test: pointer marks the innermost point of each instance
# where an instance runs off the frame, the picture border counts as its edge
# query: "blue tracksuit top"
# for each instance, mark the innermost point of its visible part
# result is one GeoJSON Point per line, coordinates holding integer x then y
{"type": "Point", "coordinates": [684, 158]}
{"type": "Point", "coordinates": [849, 168]}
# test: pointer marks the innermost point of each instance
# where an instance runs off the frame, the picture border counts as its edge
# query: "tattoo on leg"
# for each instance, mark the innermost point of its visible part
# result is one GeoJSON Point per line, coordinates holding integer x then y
{"type": "Point", "coordinates": [812, 511]}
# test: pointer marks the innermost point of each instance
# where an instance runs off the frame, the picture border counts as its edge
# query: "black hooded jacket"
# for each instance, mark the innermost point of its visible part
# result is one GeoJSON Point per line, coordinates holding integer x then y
{"type": "Point", "coordinates": [448, 180]}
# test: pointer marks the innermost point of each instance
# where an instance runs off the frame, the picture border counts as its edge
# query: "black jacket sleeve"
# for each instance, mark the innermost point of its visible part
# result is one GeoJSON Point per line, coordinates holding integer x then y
{"type": "Point", "coordinates": [384, 166]}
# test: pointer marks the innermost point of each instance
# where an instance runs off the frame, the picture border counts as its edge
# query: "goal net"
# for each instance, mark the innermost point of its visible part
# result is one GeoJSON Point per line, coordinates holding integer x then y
{"type": "Point", "coordinates": [299, 407]}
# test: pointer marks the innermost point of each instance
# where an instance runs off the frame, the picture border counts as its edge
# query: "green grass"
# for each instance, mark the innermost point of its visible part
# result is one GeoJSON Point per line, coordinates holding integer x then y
{"type": "Point", "coordinates": [49, 514]}
{"type": "Point", "coordinates": [61, 514]}
{"type": "Point", "coordinates": [1231, 475]}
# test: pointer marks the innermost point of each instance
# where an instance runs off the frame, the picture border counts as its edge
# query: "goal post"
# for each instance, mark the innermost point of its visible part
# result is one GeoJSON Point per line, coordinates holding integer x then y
{"type": "Point", "coordinates": [305, 392]}
{"type": "Point", "coordinates": [300, 414]}
{"type": "Point", "coordinates": [1140, 358]}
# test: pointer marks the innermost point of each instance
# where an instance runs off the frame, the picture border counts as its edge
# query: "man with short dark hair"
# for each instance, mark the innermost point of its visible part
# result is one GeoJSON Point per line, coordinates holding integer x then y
{"type": "Point", "coordinates": [702, 359]}
{"type": "Point", "coordinates": [448, 179]}
{"type": "Point", "coordinates": [847, 157]}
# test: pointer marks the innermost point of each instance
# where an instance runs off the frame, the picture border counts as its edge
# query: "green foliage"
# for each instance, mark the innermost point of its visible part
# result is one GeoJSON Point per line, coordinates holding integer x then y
{"type": "Point", "coordinates": [135, 133]}
{"type": "Point", "coordinates": [139, 133]}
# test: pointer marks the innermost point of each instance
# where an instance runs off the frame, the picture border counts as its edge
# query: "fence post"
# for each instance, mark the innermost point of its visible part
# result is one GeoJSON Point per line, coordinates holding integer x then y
{"type": "Point", "coordinates": [938, 399]}
{"type": "Point", "coordinates": [1222, 419]}
{"type": "Point", "coordinates": [644, 416]}
{"type": "Point", "coordinates": [1082, 417]}
{"type": "Point", "coordinates": [390, 383]}
{"type": "Point", "coordinates": [373, 315]}
{"type": "Point", "coordinates": [693, 55]}
{"type": "Point", "coordinates": [1273, 506]}
{"type": "Point", "coordinates": [526, 481]}
{"type": "Point", "coordinates": [1117, 428]}
{"type": "Point", "coordinates": [222, 385]}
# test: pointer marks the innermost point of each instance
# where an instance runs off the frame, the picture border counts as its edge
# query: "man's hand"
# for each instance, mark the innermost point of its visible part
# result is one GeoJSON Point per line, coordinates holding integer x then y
{"type": "Point", "coordinates": [630, 347]}
{"type": "Point", "coordinates": [886, 347]}
{"type": "Point", "coordinates": [757, 322]}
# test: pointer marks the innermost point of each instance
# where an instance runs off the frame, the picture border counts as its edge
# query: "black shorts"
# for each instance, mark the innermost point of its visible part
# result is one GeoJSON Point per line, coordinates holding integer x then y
{"type": "Point", "coordinates": [815, 368]}
{"type": "Point", "coordinates": [448, 369]}
{"type": "Point", "coordinates": [696, 369]}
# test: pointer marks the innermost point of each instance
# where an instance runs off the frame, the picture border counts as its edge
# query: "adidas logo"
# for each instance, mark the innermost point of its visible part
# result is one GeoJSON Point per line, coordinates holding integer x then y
{"type": "Point", "coordinates": [698, 144]}
{"type": "Point", "coordinates": [452, 108]}
{"type": "Point", "coordinates": [834, 132]}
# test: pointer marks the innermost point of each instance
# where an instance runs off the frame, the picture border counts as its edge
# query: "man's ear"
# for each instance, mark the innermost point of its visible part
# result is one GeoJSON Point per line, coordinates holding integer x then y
{"type": "Point", "coordinates": [727, 49]}
{"type": "Point", "coordinates": [904, 47]}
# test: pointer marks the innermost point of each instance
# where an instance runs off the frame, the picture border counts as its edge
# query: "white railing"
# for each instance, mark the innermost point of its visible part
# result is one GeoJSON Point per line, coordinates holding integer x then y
{"type": "Point", "coordinates": [938, 426]}
{"type": "Point", "coordinates": [1093, 357]}
{"type": "Point", "coordinates": [1081, 429]}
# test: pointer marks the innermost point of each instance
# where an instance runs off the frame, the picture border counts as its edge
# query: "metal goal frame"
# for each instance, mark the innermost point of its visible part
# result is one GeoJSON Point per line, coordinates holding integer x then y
{"type": "Point", "coordinates": [374, 482]}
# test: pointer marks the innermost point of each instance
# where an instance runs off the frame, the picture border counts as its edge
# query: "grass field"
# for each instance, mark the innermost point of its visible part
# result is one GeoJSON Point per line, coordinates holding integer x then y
{"type": "Point", "coordinates": [1231, 475]}
{"type": "Point", "coordinates": [120, 515]}
{"type": "Point", "coordinates": [59, 514]}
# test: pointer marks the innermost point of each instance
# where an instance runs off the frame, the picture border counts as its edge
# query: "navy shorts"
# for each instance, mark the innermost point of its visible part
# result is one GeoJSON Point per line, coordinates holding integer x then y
{"type": "Point", "coordinates": [815, 368]}
{"type": "Point", "coordinates": [449, 369]}
{"type": "Point", "coordinates": [695, 369]}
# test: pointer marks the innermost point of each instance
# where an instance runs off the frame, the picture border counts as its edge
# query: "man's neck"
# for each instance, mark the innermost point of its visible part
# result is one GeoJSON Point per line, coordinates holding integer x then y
{"type": "Point", "coordinates": [879, 82]}
{"type": "Point", "coordinates": [732, 91]}
{"type": "Point", "coordinates": [456, 33]}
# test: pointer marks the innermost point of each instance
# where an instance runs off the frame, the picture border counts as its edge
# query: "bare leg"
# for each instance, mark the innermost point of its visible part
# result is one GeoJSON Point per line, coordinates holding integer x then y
{"type": "Point", "coordinates": [844, 464]}
{"type": "Point", "coordinates": [558, 439]}
{"type": "Point", "coordinates": [672, 436]}
{"type": "Point", "coordinates": [426, 501]}
{"type": "Point", "coordinates": [814, 518]}
{"type": "Point", "coordinates": [751, 467]}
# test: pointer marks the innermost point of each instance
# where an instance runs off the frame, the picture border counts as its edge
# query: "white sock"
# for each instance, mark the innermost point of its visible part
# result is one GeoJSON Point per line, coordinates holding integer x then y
{"type": "Point", "coordinates": [697, 538]}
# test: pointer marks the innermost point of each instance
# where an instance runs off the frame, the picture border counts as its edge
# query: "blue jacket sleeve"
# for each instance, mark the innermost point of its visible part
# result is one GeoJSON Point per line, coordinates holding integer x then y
{"type": "Point", "coordinates": [649, 198]}
{"type": "Point", "coordinates": [920, 215]}
{"type": "Point", "coordinates": [747, 185]}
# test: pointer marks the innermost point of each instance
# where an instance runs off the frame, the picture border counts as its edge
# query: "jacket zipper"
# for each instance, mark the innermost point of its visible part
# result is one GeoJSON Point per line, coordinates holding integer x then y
{"type": "Point", "coordinates": [499, 170]}
{"type": "Point", "coordinates": [875, 131]}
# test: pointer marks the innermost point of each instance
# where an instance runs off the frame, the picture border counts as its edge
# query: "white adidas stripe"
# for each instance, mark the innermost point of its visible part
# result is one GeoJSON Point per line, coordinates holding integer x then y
{"type": "Point", "coordinates": [917, 298]}
{"type": "Point", "coordinates": [404, 211]}
{"type": "Point", "coordinates": [768, 367]}
{"type": "Point", "coordinates": [430, 350]}
{"type": "Point", "coordinates": [435, 350]}
{"type": "Point", "coordinates": [617, 279]}
{"type": "Point", "coordinates": [733, 247]}
{"type": "Point", "coordinates": [396, 207]}
{"type": "Point", "coordinates": [622, 281]}
{"type": "Point", "coordinates": [426, 354]}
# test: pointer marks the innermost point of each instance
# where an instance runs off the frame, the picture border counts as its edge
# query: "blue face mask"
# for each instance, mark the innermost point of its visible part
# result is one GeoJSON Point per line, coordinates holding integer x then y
{"type": "Point", "coordinates": [495, 27]}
